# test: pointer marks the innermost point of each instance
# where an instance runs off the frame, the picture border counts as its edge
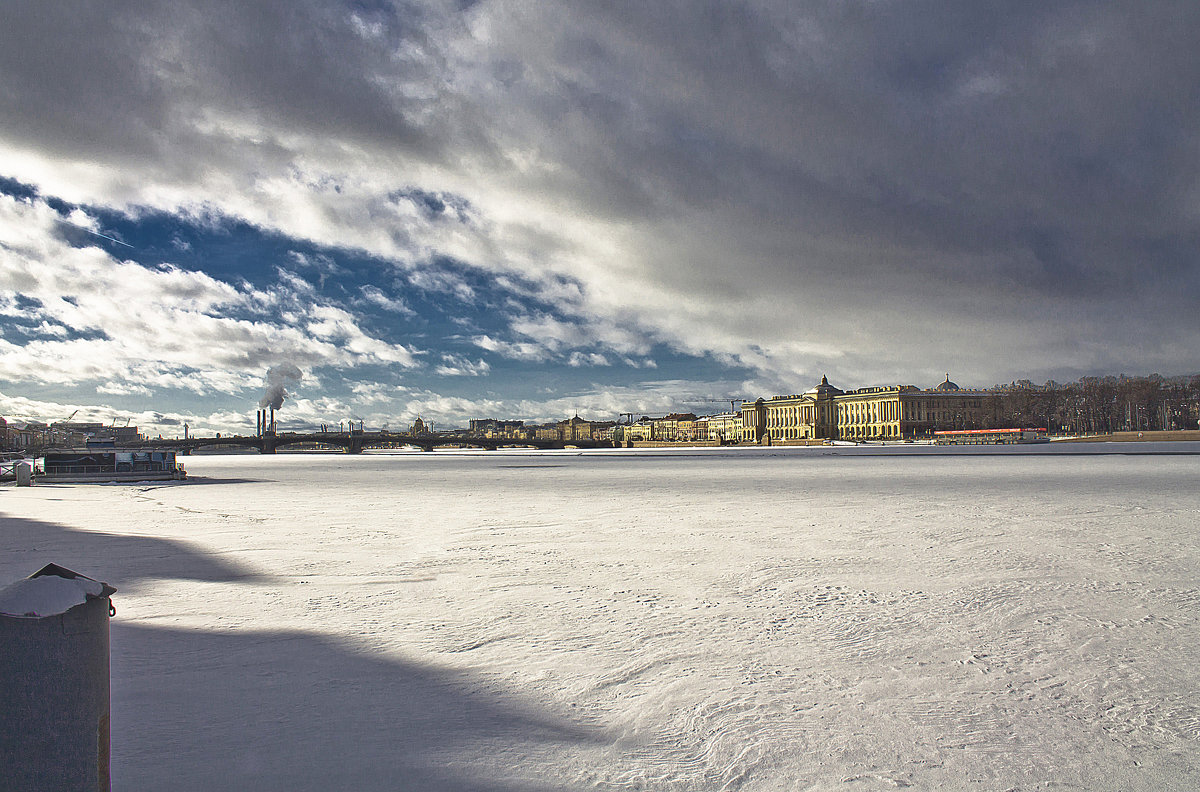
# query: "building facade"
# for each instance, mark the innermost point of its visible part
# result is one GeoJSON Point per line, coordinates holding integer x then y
{"type": "Point", "coordinates": [675, 428]}
{"type": "Point", "coordinates": [574, 428]}
{"type": "Point", "coordinates": [886, 413]}
{"type": "Point", "coordinates": [722, 428]}
{"type": "Point", "coordinates": [495, 428]}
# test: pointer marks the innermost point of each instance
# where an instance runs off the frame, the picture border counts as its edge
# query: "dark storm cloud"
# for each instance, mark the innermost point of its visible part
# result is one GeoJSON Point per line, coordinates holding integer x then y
{"type": "Point", "coordinates": [121, 81]}
{"type": "Point", "coordinates": [1020, 162]}
{"type": "Point", "coordinates": [883, 189]}
{"type": "Point", "coordinates": [927, 123]}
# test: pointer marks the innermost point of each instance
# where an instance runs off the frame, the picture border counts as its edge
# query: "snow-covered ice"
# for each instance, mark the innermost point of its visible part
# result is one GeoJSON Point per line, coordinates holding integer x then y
{"type": "Point", "coordinates": [710, 620]}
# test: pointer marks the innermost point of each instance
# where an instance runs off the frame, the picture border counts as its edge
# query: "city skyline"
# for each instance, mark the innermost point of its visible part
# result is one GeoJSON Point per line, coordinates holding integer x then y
{"type": "Point", "coordinates": [470, 209]}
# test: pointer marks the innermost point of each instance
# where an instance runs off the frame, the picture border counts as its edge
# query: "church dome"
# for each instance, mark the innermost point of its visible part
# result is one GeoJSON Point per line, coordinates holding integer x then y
{"type": "Point", "coordinates": [823, 390]}
{"type": "Point", "coordinates": [947, 385]}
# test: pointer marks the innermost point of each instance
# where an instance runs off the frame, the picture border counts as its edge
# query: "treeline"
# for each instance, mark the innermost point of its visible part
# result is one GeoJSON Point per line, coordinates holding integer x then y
{"type": "Point", "coordinates": [1101, 405]}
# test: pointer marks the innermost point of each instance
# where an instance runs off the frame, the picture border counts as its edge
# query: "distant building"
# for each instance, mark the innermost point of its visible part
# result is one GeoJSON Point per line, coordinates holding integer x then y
{"type": "Point", "coordinates": [30, 435]}
{"type": "Point", "coordinates": [639, 430]}
{"type": "Point", "coordinates": [574, 428]}
{"type": "Point", "coordinates": [77, 433]}
{"type": "Point", "coordinates": [675, 428]}
{"type": "Point", "coordinates": [124, 434]}
{"type": "Point", "coordinates": [602, 431]}
{"type": "Point", "coordinates": [824, 412]}
{"type": "Point", "coordinates": [722, 428]}
{"type": "Point", "coordinates": [79, 427]}
{"type": "Point", "coordinates": [886, 413]}
{"type": "Point", "coordinates": [497, 429]}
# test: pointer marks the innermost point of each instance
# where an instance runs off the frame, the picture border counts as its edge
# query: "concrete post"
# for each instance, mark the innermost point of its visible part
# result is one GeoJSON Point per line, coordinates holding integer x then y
{"type": "Point", "coordinates": [54, 733]}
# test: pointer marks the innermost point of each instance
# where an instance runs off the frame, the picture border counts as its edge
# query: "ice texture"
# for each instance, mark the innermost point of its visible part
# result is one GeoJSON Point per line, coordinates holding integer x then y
{"type": "Point", "coordinates": [782, 619]}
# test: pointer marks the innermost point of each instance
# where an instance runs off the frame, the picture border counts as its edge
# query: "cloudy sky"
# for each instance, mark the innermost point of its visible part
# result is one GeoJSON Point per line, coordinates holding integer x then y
{"type": "Point", "coordinates": [520, 209]}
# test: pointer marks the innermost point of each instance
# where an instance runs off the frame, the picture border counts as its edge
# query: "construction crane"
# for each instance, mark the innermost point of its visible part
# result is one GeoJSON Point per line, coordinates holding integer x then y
{"type": "Point", "coordinates": [733, 400]}
{"type": "Point", "coordinates": [69, 417]}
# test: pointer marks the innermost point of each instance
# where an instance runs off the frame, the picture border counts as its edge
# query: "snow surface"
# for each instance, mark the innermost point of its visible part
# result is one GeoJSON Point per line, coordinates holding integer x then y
{"type": "Point", "coordinates": [712, 620]}
{"type": "Point", "coordinates": [48, 595]}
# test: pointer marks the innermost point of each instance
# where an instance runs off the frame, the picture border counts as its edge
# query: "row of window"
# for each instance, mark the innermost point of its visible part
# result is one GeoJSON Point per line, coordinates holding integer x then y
{"type": "Point", "coordinates": [867, 413]}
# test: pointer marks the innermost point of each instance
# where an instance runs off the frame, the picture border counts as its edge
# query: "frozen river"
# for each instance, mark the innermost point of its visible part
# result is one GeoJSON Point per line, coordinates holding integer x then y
{"type": "Point", "coordinates": [757, 620]}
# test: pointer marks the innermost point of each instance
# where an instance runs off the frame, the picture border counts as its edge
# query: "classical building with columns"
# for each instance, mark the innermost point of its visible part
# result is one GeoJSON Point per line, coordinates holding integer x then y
{"type": "Point", "coordinates": [887, 413]}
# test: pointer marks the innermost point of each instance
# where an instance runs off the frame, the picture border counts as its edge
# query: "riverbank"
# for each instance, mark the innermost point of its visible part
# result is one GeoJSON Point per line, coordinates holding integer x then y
{"type": "Point", "coordinates": [1178, 436]}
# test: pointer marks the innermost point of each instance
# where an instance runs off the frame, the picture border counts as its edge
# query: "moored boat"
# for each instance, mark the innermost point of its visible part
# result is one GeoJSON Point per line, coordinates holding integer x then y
{"type": "Point", "coordinates": [78, 466]}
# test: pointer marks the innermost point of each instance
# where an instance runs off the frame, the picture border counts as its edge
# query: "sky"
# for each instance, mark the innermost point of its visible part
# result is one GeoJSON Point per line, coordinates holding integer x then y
{"type": "Point", "coordinates": [525, 210]}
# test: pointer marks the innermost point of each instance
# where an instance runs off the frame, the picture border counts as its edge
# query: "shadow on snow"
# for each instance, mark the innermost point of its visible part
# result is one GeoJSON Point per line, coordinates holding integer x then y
{"type": "Point", "coordinates": [296, 711]}
{"type": "Point", "coordinates": [283, 710]}
{"type": "Point", "coordinates": [122, 560]}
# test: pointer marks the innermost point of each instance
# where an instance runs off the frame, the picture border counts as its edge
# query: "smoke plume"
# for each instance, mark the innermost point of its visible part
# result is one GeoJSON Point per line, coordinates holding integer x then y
{"type": "Point", "coordinates": [276, 382]}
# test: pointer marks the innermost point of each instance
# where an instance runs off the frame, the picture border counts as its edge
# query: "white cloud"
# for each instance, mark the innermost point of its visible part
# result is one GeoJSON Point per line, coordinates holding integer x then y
{"type": "Point", "coordinates": [150, 423]}
{"type": "Point", "coordinates": [45, 328]}
{"type": "Point", "coordinates": [301, 288]}
{"type": "Point", "coordinates": [521, 350]}
{"type": "Point", "coordinates": [442, 282]}
{"type": "Point", "coordinates": [340, 327]}
{"type": "Point", "coordinates": [137, 327]}
{"type": "Point", "coordinates": [122, 389]}
{"type": "Point", "coordinates": [374, 393]}
{"type": "Point", "coordinates": [396, 305]}
{"type": "Point", "coordinates": [579, 359]}
{"type": "Point", "coordinates": [544, 337]}
{"type": "Point", "coordinates": [460, 366]}
{"type": "Point", "coordinates": [557, 334]}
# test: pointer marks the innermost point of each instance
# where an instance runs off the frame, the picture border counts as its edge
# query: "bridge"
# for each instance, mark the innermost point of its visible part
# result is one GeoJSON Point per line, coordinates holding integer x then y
{"type": "Point", "coordinates": [355, 442]}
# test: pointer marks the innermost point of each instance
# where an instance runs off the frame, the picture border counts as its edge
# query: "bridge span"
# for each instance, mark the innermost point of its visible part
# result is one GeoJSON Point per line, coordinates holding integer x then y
{"type": "Point", "coordinates": [355, 442]}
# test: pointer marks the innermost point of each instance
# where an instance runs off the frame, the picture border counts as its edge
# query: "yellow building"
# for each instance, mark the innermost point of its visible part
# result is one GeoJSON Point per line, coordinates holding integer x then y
{"type": "Point", "coordinates": [723, 428]}
{"type": "Point", "coordinates": [642, 430]}
{"type": "Point", "coordinates": [886, 413]}
{"type": "Point", "coordinates": [676, 427]}
{"type": "Point", "coordinates": [574, 428]}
